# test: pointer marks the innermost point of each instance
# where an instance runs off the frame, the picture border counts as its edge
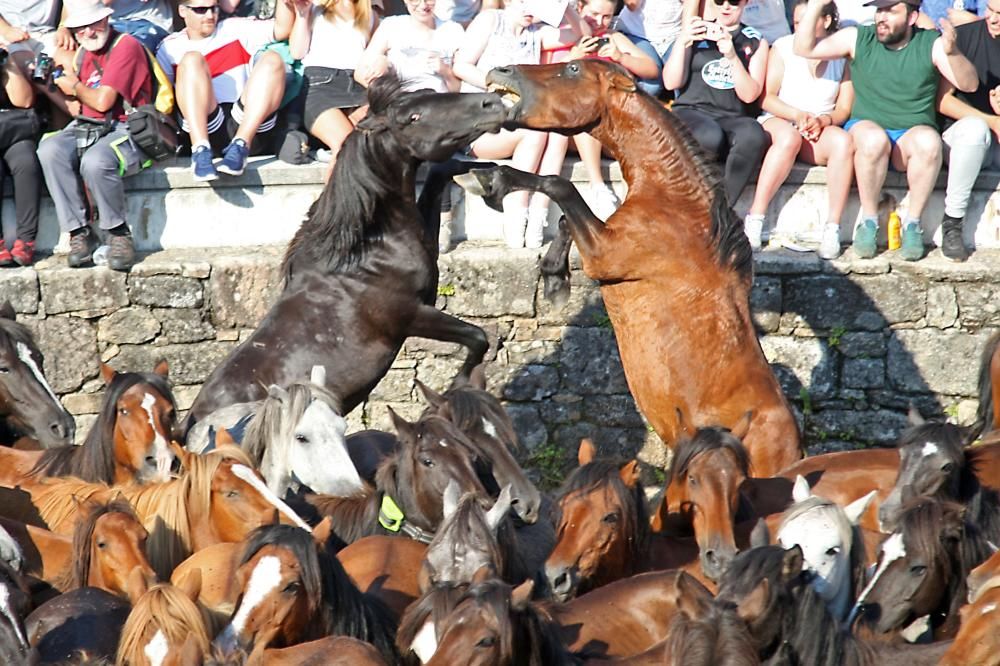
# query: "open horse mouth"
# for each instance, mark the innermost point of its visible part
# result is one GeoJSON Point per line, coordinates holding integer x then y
{"type": "Point", "coordinates": [508, 96]}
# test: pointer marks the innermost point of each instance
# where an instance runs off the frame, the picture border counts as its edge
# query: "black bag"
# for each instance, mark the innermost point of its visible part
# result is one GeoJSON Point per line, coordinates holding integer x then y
{"type": "Point", "coordinates": [155, 133]}
{"type": "Point", "coordinates": [18, 125]}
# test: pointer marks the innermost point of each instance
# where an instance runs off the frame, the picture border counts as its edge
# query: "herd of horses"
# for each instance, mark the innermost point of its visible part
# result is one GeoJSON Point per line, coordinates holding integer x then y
{"type": "Point", "coordinates": [258, 531]}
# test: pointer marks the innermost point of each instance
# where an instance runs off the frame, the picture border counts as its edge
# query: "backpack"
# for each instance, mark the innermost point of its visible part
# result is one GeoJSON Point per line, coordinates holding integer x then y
{"type": "Point", "coordinates": [163, 90]}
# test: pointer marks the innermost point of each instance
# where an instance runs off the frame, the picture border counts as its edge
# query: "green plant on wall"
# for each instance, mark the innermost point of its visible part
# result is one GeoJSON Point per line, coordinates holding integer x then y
{"type": "Point", "coordinates": [446, 290]}
{"type": "Point", "coordinates": [547, 460]}
{"type": "Point", "coordinates": [807, 408]}
{"type": "Point", "coordinates": [836, 333]}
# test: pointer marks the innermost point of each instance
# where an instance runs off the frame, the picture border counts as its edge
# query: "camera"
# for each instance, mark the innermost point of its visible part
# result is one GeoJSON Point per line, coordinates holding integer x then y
{"type": "Point", "coordinates": [601, 41]}
{"type": "Point", "coordinates": [43, 67]}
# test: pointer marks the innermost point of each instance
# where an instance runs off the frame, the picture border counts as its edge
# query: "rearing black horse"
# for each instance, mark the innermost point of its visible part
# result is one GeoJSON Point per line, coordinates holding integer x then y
{"type": "Point", "coordinates": [361, 273]}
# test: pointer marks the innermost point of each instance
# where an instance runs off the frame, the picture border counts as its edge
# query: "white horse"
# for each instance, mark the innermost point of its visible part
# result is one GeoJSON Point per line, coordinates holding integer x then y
{"type": "Point", "coordinates": [831, 544]}
{"type": "Point", "coordinates": [295, 436]}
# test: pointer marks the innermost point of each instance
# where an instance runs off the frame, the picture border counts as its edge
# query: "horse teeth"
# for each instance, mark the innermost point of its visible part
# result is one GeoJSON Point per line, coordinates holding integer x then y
{"type": "Point", "coordinates": [509, 101]}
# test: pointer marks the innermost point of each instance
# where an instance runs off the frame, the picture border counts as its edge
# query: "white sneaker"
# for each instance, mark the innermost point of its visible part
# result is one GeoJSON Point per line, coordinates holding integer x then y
{"type": "Point", "coordinates": [829, 245]}
{"type": "Point", "coordinates": [753, 227]}
{"type": "Point", "coordinates": [603, 201]}
{"type": "Point", "coordinates": [534, 233]}
{"type": "Point", "coordinates": [513, 229]}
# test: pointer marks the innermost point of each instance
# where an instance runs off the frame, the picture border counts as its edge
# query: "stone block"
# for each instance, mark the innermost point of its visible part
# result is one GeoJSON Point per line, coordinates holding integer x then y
{"type": "Point", "coordinates": [855, 344]}
{"type": "Point", "coordinates": [765, 302]}
{"type": "Point", "coordinates": [942, 306]}
{"type": "Point", "coordinates": [69, 345]}
{"type": "Point", "coordinates": [73, 289]}
{"type": "Point", "coordinates": [184, 396]}
{"type": "Point", "coordinates": [189, 364]}
{"type": "Point", "coordinates": [377, 413]}
{"type": "Point", "coordinates": [488, 282]}
{"type": "Point", "coordinates": [863, 373]}
{"type": "Point", "coordinates": [241, 289]}
{"type": "Point", "coordinates": [436, 372]}
{"type": "Point", "coordinates": [786, 262]}
{"type": "Point", "coordinates": [19, 287]}
{"type": "Point", "coordinates": [396, 386]}
{"type": "Point", "coordinates": [863, 302]}
{"type": "Point", "coordinates": [801, 363]}
{"type": "Point", "coordinates": [83, 403]}
{"type": "Point", "coordinates": [589, 361]}
{"type": "Point", "coordinates": [561, 408]}
{"type": "Point", "coordinates": [879, 426]}
{"type": "Point", "coordinates": [532, 383]}
{"type": "Point", "coordinates": [926, 358]}
{"type": "Point", "coordinates": [183, 325]}
{"type": "Point", "coordinates": [538, 352]}
{"type": "Point", "coordinates": [979, 304]}
{"type": "Point", "coordinates": [131, 325]}
{"type": "Point", "coordinates": [166, 291]}
{"type": "Point", "coordinates": [528, 425]}
{"type": "Point", "coordinates": [612, 410]}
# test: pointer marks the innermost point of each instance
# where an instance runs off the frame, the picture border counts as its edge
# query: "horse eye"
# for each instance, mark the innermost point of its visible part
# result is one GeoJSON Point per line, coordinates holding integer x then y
{"type": "Point", "coordinates": [918, 570]}
{"type": "Point", "coordinates": [414, 117]}
{"type": "Point", "coordinates": [833, 550]}
{"type": "Point", "coordinates": [4, 371]}
{"type": "Point", "coordinates": [101, 545]}
{"type": "Point", "coordinates": [947, 467]}
{"type": "Point", "coordinates": [292, 587]}
{"type": "Point", "coordinates": [611, 518]}
{"type": "Point", "coordinates": [232, 494]}
{"type": "Point", "coordinates": [427, 462]}
{"type": "Point", "coordinates": [123, 411]}
{"type": "Point", "coordinates": [487, 642]}
{"type": "Point", "coordinates": [575, 68]}
{"type": "Point", "coordinates": [692, 480]}
{"type": "Point", "coordinates": [301, 439]}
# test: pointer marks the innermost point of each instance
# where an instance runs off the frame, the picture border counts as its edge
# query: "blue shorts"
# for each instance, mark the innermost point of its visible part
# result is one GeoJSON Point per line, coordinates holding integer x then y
{"type": "Point", "coordinates": [893, 134]}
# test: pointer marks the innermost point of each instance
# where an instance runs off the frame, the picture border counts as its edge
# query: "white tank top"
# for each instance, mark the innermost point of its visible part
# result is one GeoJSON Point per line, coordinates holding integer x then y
{"type": "Point", "coordinates": [801, 88]}
{"type": "Point", "coordinates": [410, 49]}
{"type": "Point", "coordinates": [335, 42]}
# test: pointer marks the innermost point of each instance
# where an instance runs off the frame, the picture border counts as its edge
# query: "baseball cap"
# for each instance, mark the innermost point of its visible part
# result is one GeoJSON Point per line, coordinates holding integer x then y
{"type": "Point", "coordinates": [882, 4]}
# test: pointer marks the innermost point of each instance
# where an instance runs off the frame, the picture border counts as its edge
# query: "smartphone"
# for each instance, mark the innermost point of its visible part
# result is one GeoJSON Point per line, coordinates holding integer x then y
{"type": "Point", "coordinates": [601, 41]}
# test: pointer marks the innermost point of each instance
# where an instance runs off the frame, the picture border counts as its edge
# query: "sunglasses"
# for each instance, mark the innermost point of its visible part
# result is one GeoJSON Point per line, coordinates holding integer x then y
{"type": "Point", "coordinates": [734, 3]}
{"type": "Point", "coordinates": [201, 11]}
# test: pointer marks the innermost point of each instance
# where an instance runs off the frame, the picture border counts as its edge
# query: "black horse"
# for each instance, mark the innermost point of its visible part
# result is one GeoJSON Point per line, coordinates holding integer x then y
{"type": "Point", "coordinates": [361, 273]}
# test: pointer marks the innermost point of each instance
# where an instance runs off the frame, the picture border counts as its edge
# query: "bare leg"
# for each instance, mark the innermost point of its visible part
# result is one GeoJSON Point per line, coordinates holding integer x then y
{"type": "Point", "coordinates": [834, 150]}
{"type": "Point", "coordinates": [778, 161]}
{"type": "Point", "coordinates": [590, 154]}
{"type": "Point", "coordinates": [332, 127]}
{"type": "Point", "coordinates": [195, 97]}
{"type": "Point", "coordinates": [871, 162]}
{"type": "Point", "coordinates": [431, 323]}
{"type": "Point", "coordinates": [262, 94]}
{"type": "Point", "coordinates": [919, 152]}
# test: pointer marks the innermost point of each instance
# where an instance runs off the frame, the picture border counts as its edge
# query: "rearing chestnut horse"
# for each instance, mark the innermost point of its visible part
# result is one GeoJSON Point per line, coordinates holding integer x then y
{"type": "Point", "coordinates": [673, 263]}
{"type": "Point", "coordinates": [361, 273]}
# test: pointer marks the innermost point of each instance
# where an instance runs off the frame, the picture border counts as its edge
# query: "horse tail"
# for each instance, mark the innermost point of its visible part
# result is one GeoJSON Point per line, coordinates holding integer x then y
{"type": "Point", "coordinates": [986, 415]}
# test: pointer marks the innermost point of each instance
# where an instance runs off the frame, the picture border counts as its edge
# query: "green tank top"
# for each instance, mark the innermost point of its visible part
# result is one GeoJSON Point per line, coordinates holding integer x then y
{"type": "Point", "coordinates": [895, 89]}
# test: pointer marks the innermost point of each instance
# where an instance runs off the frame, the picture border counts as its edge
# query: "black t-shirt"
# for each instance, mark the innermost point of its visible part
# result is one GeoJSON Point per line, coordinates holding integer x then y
{"type": "Point", "coordinates": [710, 87]}
{"type": "Point", "coordinates": [983, 51]}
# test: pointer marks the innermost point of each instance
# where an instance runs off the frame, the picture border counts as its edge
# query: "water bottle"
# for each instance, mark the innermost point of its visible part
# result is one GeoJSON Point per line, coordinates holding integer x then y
{"type": "Point", "coordinates": [895, 231]}
{"type": "Point", "coordinates": [101, 256]}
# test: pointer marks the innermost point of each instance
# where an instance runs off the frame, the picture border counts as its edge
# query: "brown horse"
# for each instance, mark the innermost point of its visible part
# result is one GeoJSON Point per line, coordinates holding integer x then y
{"type": "Point", "coordinates": [129, 442]}
{"type": "Point", "coordinates": [163, 623]}
{"type": "Point", "coordinates": [219, 498]}
{"type": "Point", "coordinates": [977, 641]}
{"type": "Point", "coordinates": [673, 263]}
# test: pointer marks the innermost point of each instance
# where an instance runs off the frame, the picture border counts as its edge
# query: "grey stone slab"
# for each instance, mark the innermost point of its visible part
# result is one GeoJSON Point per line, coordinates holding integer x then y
{"type": "Point", "coordinates": [76, 289]}
{"type": "Point", "coordinates": [166, 291]}
{"type": "Point", "coordinates": [131, 325]}
{"type": "Point", "coordinates": [180, 325]}
{"type": "Point", "coordinates": [19, 287]}
{"type": "Point", "coordinates": [69, 345]}
{"type": "Point", "coordinates": [590, 363]}
{"type": "Point", "coordinates": [802, 363]}
{"type": "Point", "coordinates": [921, 359]}
{"type": "Point", "coordinates": [242, 289]}
{"type": "Point", "coordinates": [488, 282]}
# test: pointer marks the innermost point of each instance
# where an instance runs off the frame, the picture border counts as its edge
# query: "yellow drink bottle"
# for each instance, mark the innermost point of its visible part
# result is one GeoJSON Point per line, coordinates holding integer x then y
{"type": "Point", "coordinates": [895, 231]}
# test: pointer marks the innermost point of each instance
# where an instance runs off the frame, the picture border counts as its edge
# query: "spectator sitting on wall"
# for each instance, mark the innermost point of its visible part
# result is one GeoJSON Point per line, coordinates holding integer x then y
{"type": "Point", "coordinates": [112, 70]}
{"type": "Point", "coordinates": [18, 158]}
{"type": "Point", "coordinates": [228, 97]}
{"type": "Point", "coordinates": [895, 68]}
{"type": "Point", "coordinates": [958, 12]}
{"type": "Point", "coordinates": [149, 21]}
{"type": "Point", "coordinates": [653, 26]}
{"type": "Point", "coordinates": [28, 28]}
{"type": "Point", "coordinates": [972, 133]}
{"type": "Point", "coordinates": [804, 105]}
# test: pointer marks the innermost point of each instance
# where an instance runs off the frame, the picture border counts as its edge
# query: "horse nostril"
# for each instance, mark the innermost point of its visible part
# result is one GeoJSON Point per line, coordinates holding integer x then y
{"type": "Point", "coordinates": [151, 461]}
{"type": "Point", "coordinates": [59, 429]}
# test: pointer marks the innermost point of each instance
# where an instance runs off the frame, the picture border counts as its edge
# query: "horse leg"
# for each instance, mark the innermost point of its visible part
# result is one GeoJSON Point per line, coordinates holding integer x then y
{"type": "Point", "coordinates": [554, 266]}
{"type": "Point", "coordinates": [439, 176]}
{"type": "Point", "coordinates": [429, 322]}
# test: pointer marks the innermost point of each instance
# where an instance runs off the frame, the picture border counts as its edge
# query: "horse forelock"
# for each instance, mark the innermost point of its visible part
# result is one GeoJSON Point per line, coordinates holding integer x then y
{"type": "Point", "coordinates": [470, 406]}
{"type": "Point", "coordinates": [164, 608]}
{"type": "Point", "coordinates": [12, 333]}
{"type": "Point", "coordinates": [301, 546]}
{"type": "Point", "coordinates": [941, 434]}
{"type": "Point", "coordinates": [707, 439]}
{"type": "Point", "coordinates": [433, 606]}
{"type": "Point", "coordinates": [382, 91]}
{"type": "Point", "coordinates": [467, 529]}
{"type": "Point", "coordinates": [720, 638]}
{"type": "Point", "coordinates": [79, 573]}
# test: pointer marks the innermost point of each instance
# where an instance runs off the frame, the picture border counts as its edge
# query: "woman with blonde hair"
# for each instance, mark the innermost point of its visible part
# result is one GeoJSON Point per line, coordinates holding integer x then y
{"type": "Point", "coordinates": [329, 37]}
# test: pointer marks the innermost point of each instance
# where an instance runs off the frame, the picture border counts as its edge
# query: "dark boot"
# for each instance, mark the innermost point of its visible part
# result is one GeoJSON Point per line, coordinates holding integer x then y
{"type": "Point", "coordinates": [952, 245]}
{"type": "Point", "coordinates": [121, 251]}
{"type": "Point", "coordinates": [82, 243]}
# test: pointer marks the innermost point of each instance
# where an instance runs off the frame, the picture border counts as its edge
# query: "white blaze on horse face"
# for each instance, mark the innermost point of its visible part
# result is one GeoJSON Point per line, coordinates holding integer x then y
{"type": "Point", "coordinates": [425, 643]}
{"type": "Point", "coordinates": [489, 428]}
{"type": "Point", "coordinates": [246, 474]}
{"type": "Point", "coordinates": [322, 461]}
{"type": "Point", "coordinates": [930, 448]}
{"type": "Point", "coordinates": [892, 550]}
{"type": "Point", "coordinates": [24, 353]}
{"type": "Point", "coordinates": [161, 448]}
{"type": "Point", "coordinates": [825, 553]}
{"type": "Point", "coordinates": [157, 648]}
{"type": "Point", "coordinates": [265, 577]}
{"type": "Point", "coordinates": [988, 608]}
{"type": "Point", "coordinates": [9, 613]}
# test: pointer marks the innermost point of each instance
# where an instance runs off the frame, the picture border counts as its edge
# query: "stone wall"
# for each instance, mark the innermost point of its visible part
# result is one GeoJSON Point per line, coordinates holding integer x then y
{"type": "Point", "coordinates": [853, 342]}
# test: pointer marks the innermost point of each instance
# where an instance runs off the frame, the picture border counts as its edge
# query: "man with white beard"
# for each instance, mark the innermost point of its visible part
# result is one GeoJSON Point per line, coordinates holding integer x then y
{"type": "Point", "coordinates": [113, 69]}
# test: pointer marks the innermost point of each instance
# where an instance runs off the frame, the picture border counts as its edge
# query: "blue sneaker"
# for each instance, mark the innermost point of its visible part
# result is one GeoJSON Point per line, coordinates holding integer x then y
{"type": "Point", "coordinates": [201, 165]}
{"type": "Point", "coordinates": [234, 158]}
{"type": "Point", "coordinates": [864, 238]}
{"type": "Point", "coordinates": [912, 246]}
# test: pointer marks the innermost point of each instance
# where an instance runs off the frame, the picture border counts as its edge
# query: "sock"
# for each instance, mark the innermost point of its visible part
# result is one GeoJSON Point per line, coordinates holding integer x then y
{"type": "Point", "coordinates": [865, 217]}
{"type": "Point", "coordinates": [752, 216]}
{"type": "Point", "coordinates": [911, 220]}
{"type": "Point", "coordinates": [120, 230]}
{"type": "Point", "coordinates": [240, 141]}
{"type": "Point", "coordinates": [201, 144]}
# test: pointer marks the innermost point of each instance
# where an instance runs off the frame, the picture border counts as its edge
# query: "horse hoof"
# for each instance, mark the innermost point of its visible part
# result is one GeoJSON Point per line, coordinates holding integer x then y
{"type": "Point", "coordinates": [471, 182]}
{"type": "Point", "coordinates": [479, 182]}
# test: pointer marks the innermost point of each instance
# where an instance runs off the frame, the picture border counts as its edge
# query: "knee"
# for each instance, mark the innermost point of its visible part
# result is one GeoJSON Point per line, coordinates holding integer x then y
{"type": "Point", "coordinates": [841, 146]}
{"type": "Point", "coordinates": [270, 64]}
{"type": "Point", "coordinates": [871, 143]}
{"type": "Point", "coordinates": [786, 142]}
{"type": "Point", "coordinates": [969, 131]}
{"type": "Point", "coordinates": [191, 64]}
{"type": "Point", "coordinates": [94, 163]}
{"type": "Point", "coordinates": [927, 145]}
{"type": "Point", "coordinates": [751, 140]}
{"type": "Point", "coordinates": [534, 139]}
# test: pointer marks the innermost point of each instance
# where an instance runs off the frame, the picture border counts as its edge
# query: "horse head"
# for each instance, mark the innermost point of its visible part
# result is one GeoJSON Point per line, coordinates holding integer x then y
{"type": "Point", "coordinates": [602, 530]}
{"type": "Point", "coordinates": [26, 400]}
{"type": "Point", "coordinates": [165, 625]}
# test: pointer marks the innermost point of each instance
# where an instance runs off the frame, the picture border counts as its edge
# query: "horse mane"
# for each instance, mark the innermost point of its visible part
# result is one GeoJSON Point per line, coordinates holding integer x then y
{"type": "Point", "coordinates": [731, 246]}
{"type": "Point", "coordinates": [276, 418]}
{"type": "Point", "coordinates": [858, 558]}
{"type": "Point", "coordinates": [720, 638]}
{"type": "Point", "coordinates": [94, 460]}
{"type": "Point", "coordinates": [605, 472]}
{"type": "Point", "coordinates": [434, 605]}
{"type": "Point", "coordinates": [335, 604]}
{"type": "Point", "coordinates": [707, 439]}
{"type": "Point", "coordinates": [11, 332]}
{"type": "Point", "coordinates": [463, 527]}
{"type": "Point", "coordinates": [342, 223]}
{"type": "Point", "coordinates": [984, 413]}
{"type": "Point", "coordinates": [469, 406]}
{"type": "Point", "coordinates": [165, 608]}
{"type": "Point", "coordinates": [79, 573]}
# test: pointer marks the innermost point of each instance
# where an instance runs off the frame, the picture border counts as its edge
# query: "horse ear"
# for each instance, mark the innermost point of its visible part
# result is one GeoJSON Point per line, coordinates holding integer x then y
{"type": "Point", "coordinates": [754, 604]}
{"type": "Point", "coordinates": [162, 368]}
{"type": "Point", "coordinates": [629, 473]}
{"type": "Point", "coordinates": [483, 574]}
{"type": "Point", "coordinates": [402, 426]}
{"type": "Point", "coordinates": [791, 563]}
{"type": "Point", "coordinates": [857, 508]}
{"type": "Point", "coordinates": [693, 599]}
{"type": "Point", "coordinates": [182, 454]}
{"type": "Point", "coordinates": [914, 417]}
{"type": "Point", "coordinates": [499, 508]}
{"type": "Point", "coordinates": [318, 375]}
{"type": "Point", "coordinates": [190, 584]}
{"type": "Point", "coordinates": [191, 652]}
{"type": "Point", "coordinates": [225, 438]}
{"type": "Point", "coordinates": [742, 427]}
{"type": "Point", "coordinates": [760, 535]}
{"type": "Point", "coordinates": [800, 491]}
{"type": "Point", "coordinates": [277, 392]}
{"type": "Point", "coordinates": [477, 378]}
{"type": "Point", "coordinates": [451, 497]}
{"type": "Point", "coordinates": [621, 81]}
{"type": "Point", "coordinates": [586, 453]}
{"type": "Point", "coordinates": [322, 531]}
{"type": "Point", "coordinates": [684, 429]}
{"type": "Point", "coordinates": [520, 596]}
{"type": "Point", "coordinates": [136, 585]}
{"type": "Point", "coordinates": [7, 311]}
{"type": "Point", "coordinates": [433, 398]}
{"type": "Point", "coordinates": [107, 373]}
